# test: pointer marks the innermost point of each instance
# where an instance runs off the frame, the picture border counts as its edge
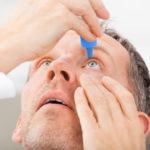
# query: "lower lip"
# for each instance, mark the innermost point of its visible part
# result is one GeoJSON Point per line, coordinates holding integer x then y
{"type": "Point", "coordinates": [51, 106]}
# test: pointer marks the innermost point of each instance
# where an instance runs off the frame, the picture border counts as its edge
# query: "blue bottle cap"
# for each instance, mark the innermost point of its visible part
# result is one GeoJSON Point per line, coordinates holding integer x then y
{"type": "Point", "coordinates": [89, 46]}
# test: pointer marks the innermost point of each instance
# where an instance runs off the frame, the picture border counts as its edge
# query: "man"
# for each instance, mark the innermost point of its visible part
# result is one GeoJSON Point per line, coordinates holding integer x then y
{"type": "Point", "coordinates": [64, 85]}
{"type": "Point", "coordinates": [71, 102]}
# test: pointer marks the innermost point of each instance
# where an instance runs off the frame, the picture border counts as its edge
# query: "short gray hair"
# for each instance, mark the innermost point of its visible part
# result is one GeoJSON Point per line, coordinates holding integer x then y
{"type": "Point", "coordinates": [138, 73]}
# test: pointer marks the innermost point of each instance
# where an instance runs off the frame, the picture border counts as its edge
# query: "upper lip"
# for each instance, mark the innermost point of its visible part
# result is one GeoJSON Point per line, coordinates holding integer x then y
{"type": "Point", "coordinates": [55, 95]}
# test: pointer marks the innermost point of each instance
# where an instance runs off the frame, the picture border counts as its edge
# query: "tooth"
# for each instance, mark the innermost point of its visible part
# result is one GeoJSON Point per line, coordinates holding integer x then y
{"type": "Point", "coordinates": [57, 100]}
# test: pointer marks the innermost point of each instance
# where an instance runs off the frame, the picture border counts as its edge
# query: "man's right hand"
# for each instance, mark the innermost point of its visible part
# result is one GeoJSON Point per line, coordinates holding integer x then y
{"type": "Point", "coordinates": [38, 25]}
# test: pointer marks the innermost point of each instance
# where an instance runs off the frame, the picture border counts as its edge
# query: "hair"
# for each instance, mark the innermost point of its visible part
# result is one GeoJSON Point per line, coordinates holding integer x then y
{"type": "Point", "coordinates": [138, 73]}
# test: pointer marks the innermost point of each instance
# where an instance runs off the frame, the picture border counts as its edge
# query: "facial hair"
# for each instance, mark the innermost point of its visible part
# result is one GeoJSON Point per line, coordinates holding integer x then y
{"type": "Point", "coordinates": [53, 132]}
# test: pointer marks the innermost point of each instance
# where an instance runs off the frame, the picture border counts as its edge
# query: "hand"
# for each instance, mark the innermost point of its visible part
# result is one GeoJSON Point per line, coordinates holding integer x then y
{"type": "Point", "coordinates": [108, 116]}
{"type": "Point", "coordinates": [40, 24]}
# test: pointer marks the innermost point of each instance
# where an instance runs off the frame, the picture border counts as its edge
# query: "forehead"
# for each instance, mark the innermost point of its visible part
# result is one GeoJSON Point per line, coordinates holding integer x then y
{"type": "Point", "coordinates": [69, 45]}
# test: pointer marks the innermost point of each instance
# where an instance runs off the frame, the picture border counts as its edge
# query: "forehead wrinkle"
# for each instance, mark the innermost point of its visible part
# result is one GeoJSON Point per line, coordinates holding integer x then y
{"type": "Point", "coordinates": [104, 47]}
{"type": "Point", "coordinates": [110, 44]}
{"type": "Point", "coordinates": [118, 52]}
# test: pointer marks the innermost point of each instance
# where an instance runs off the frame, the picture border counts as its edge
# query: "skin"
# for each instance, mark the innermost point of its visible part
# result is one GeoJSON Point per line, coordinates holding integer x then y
{"type": "Point", "coordinates": [39, 25]}
{"type": "Point", "coordinates": [103, 107]}
{"type": "Point", "coordinates": [84, 126]}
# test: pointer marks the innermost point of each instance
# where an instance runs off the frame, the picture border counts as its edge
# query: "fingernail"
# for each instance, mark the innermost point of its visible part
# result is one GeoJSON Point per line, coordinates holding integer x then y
{"type": "Point", "coordinates": [106, 78]}
{"type": "Point", "coordinates": [99, 33]}
{"type": "Point", "coordinates": [79, 90]}
{"type": "Point", "coordinates": [78, 93]}
{"type": "Point", "coordinates": [107, 14]}
{"type": "Point", "coordinates": [85, 76]}
{"type": "Point", "coordinates": [93, 38]}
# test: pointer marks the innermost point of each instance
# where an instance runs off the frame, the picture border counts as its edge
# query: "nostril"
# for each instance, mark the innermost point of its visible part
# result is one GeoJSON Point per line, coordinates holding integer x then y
{"type": "Point", "coordinates": [51, 75]}
{"type": "Point", "coordinates": [65, 75]}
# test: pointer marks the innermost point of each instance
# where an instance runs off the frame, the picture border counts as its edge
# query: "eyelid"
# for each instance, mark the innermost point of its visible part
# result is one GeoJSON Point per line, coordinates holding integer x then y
{"type": "Point", "coordinates": [90, 59]}
{"type": "Point", "coordinates": [39, 62]}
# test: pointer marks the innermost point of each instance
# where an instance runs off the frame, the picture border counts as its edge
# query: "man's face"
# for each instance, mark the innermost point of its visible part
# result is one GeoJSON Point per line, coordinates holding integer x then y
{"type": "Point", "coordinates": [47, 124]}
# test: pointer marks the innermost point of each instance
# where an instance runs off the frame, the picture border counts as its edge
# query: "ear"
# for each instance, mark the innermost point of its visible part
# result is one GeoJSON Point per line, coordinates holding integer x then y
{"type": "Point", "coordinates": [145, 122]}
{"type": "Point", "coordinates": [16, 137]}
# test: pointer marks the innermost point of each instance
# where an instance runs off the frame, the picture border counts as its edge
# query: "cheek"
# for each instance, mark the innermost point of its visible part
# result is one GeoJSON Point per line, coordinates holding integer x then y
{"type": "Point", "coordinates": [37, 80]}
{"type": "Point", "coordinates": [31, 90]}
{"type": "Point", "coordinates": [95, 74]}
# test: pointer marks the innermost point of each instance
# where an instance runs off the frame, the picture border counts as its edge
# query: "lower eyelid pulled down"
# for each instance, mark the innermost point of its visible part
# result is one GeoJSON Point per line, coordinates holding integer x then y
{"type": "Point", "coordinates": [90, 60]}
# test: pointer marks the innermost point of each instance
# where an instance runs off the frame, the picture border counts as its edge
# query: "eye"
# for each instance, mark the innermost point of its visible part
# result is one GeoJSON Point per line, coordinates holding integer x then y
{"type": "Point", "coordinates": [45, 63]}
{"type": "Point", "coordinates": [93, 64]}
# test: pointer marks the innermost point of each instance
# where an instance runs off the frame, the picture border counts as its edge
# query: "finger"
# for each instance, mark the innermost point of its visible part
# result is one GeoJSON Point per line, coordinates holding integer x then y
{"type": "Point", "coordinates": [97, 101]}
{"type": "Point", "coordinates": [92, 21]}
{"type": "Point", "coordinates": [123, 96]}
{"type": "Point", "coordinates": [80, 27]}
{"type": "Point", "coordinates": [84, 112]}
{"type": "Point", "coordinates": [100, 9]}
{"type": "Point", "coordinates": [114, 107]}
{"type": "Point", "coordinates": [85, 10]}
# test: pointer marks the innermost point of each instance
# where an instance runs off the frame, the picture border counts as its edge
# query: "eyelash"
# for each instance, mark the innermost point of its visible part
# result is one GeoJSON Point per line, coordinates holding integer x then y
{"type": "Point", "coordinates": [39, 64]}
{"type": "Point", "coordinates": [90, 60]}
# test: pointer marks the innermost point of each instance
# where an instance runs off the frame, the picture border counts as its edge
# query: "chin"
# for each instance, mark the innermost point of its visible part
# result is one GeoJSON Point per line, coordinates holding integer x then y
{"type": "Point", "coordinates": [53, 129]}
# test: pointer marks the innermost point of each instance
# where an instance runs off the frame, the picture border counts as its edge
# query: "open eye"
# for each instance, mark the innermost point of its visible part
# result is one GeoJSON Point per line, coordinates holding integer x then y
{"type": "Point", "coordinates": [45, 63]}
{"type": "Point", "coordinates": [93, 64]}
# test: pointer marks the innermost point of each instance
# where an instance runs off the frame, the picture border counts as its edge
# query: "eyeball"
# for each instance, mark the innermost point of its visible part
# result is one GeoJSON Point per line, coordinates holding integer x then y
{"type": "Point", "coordinates": [46, 63]}
{"type": "Point", "coordinates": [93, 64]}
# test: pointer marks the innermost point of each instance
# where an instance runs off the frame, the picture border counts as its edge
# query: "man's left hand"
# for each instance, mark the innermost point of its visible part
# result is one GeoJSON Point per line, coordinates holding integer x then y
{"type": "Point", "coordinates": [108, 116]}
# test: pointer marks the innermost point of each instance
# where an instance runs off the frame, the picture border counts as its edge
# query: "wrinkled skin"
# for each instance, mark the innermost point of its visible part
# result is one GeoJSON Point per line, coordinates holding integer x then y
{"type": "Point", "coordinates": [56, 126]}
{"type": "Point", "coordinates": [39, 24]}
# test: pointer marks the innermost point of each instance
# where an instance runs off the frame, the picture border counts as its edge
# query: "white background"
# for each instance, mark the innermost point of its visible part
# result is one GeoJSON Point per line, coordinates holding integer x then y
{"type": "Point", "coordinates": [130, 17]}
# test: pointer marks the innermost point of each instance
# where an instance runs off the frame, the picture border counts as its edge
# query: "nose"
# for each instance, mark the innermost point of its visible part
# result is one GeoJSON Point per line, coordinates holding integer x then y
{"type": "Point", "coordinates": [65, 75]}
{"type": "Point", "coordinates": [61, 70]}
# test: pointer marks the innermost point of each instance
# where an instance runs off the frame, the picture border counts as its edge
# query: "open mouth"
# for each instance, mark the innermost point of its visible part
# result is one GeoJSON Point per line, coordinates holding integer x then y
{"type": "Point", "coordinates": [54, 101]}
{"type": "Point", "coordinates": [55, 98]}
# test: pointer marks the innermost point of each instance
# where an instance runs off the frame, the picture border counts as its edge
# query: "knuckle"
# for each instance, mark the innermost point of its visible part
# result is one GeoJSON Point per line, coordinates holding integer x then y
{"type": "Point", "coordinates": [86, 7]}
{"type": "Point", "coordinates": [64, 12]}
{"type": "Point", "coordinates": [65, 15]}
{"type": "Point", "coordinates": [70, 21]}
{"type": "Point", "coordinates": [84, 10]}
